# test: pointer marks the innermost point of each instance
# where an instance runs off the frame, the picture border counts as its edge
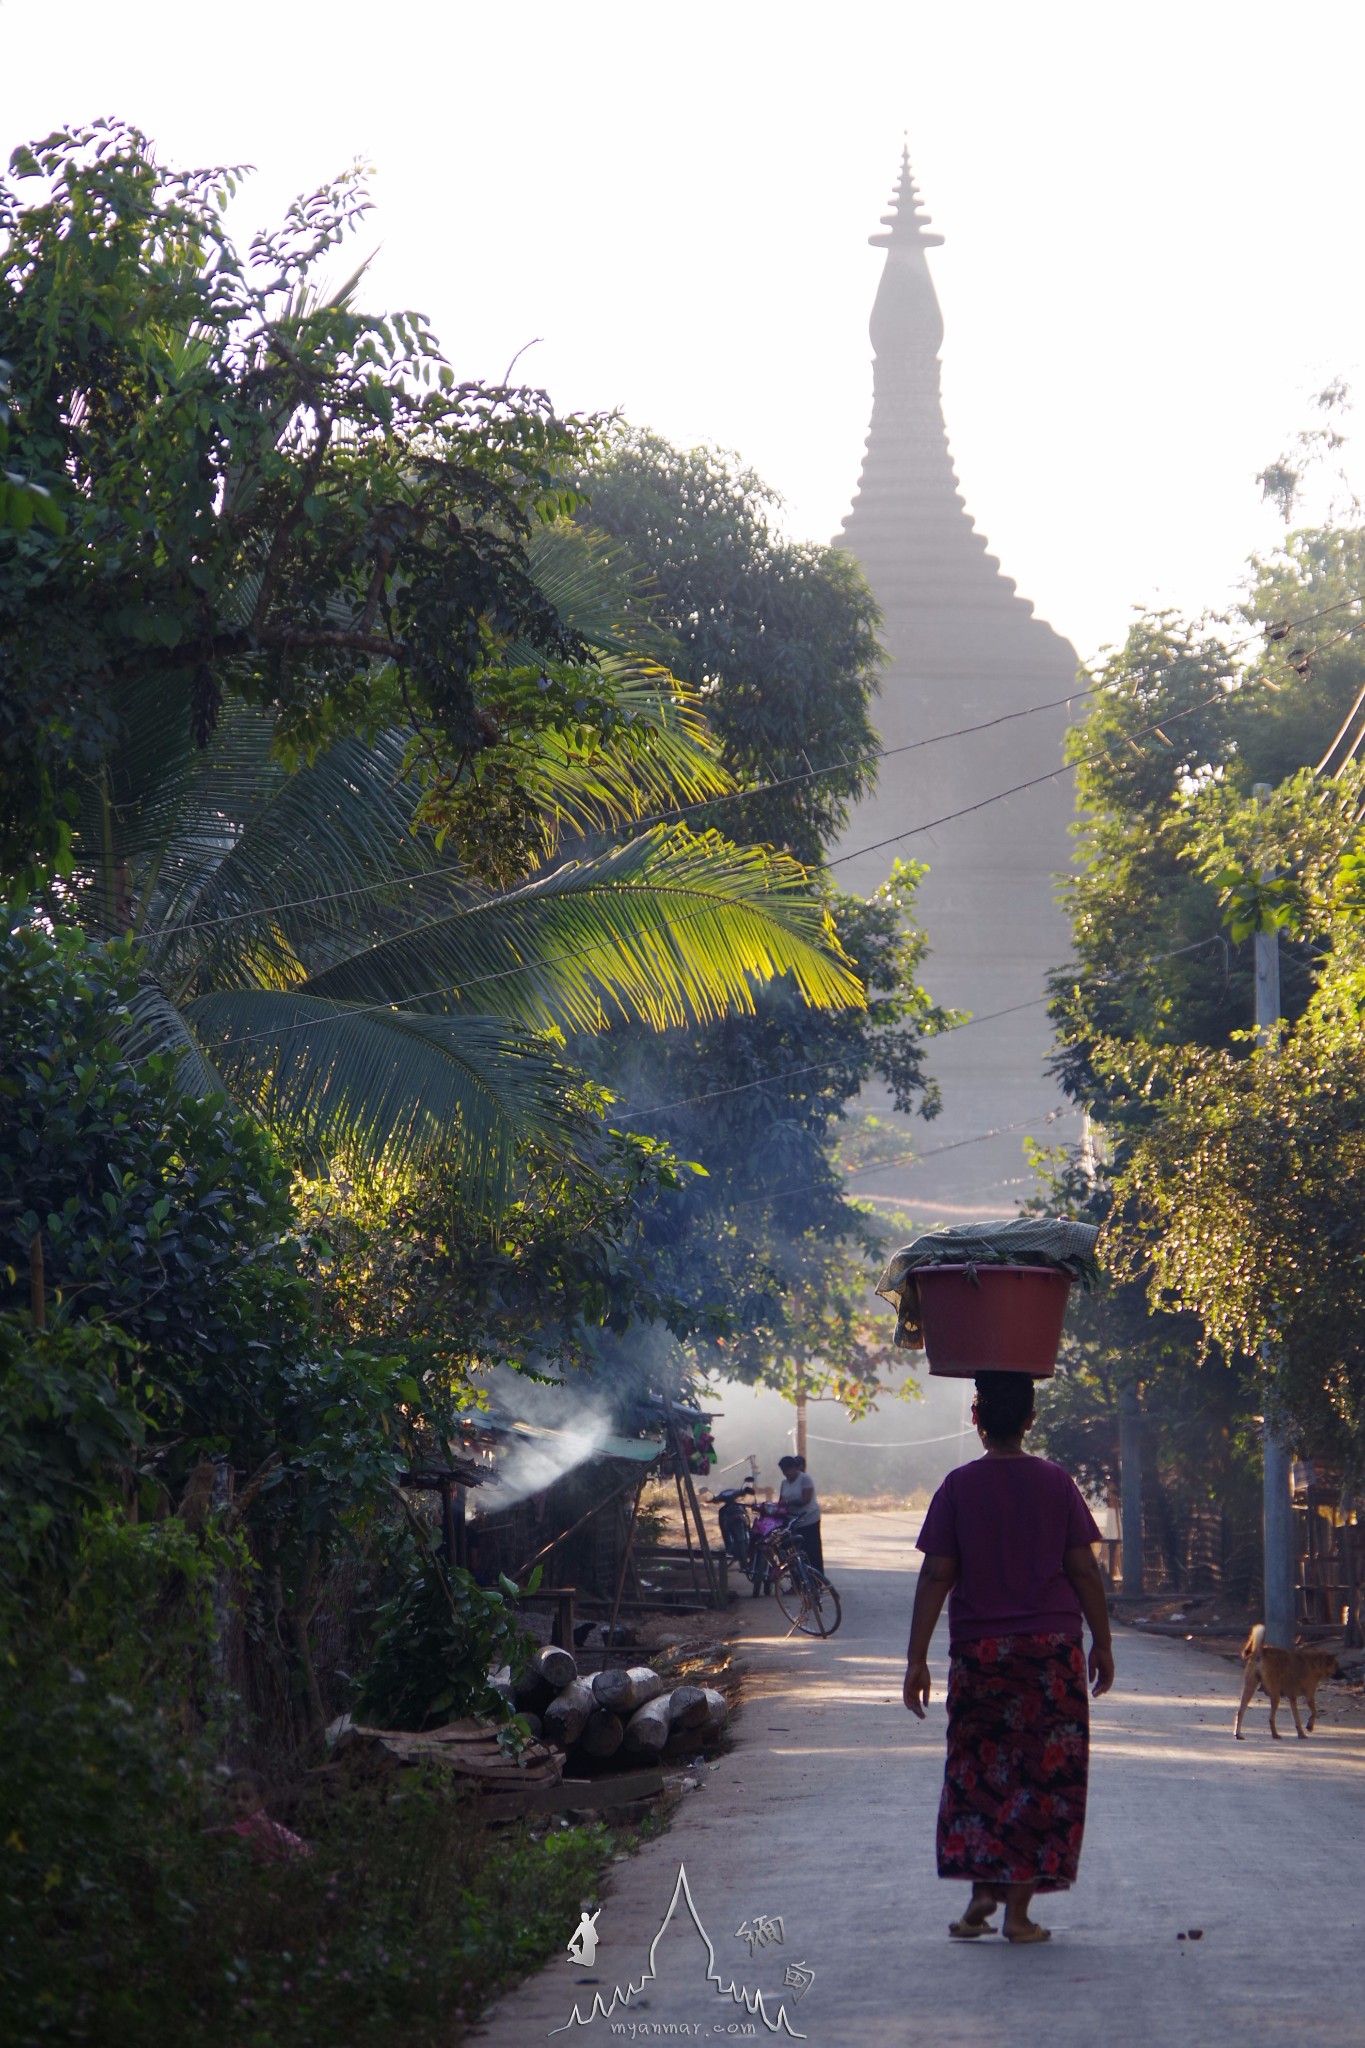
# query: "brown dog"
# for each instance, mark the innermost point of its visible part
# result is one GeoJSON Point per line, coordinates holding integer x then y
{"type": "Point", "coordinates": [1283, 1674]}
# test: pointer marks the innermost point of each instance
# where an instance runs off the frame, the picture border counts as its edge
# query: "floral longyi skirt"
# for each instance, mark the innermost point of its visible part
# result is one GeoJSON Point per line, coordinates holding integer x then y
{"type": "Point", "coordinates": [1013, 1805]}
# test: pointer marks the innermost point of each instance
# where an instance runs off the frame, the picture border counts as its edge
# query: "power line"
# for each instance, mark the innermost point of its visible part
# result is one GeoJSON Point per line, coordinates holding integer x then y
{"type": "Point", "coordinates": [913, 1443]}
{"type": "Point", "coordinates": [1016, 789]}
{"type": "Point", "coordinates": [637, 825]}
{"type": "Point", "coordinates": [986, 1017]}
{"type": "Point", "coordinates": [1052, 1116]}
{"type": "Point", "coordinates": [397, 1005]}
{"type": "Point", "coordinates": [981, 1187]}
{"type": "Point", "coordinates": [443, 871]}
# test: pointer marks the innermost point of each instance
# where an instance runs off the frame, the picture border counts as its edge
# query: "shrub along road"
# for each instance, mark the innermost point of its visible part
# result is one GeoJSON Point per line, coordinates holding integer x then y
{"type": "Point", "coordinates": [823, 1817]}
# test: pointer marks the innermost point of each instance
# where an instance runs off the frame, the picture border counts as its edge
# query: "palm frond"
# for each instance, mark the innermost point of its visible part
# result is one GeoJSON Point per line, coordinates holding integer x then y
{"type": "Point", "coordinates": [467, 1092]}
{"type": "Point", "coordinates": [600, 591]}
{"type": "Point", "coordinates": [154, 1025]}
{"type": "Point", "coordinates": [325, 860]}
{"type": "Point", "coordinates": [662, 757]}
{"type": "Point", "coordinates": [668, 929]}
{"type": "Point", "coordinates": [159, 810]}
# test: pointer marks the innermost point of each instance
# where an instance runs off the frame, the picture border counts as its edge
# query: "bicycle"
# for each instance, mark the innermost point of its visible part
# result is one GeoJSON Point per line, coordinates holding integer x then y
{"type": "Point", "coordinates": [804, 1594]}
{"type": "Point", "coordinates": [765, 1533]}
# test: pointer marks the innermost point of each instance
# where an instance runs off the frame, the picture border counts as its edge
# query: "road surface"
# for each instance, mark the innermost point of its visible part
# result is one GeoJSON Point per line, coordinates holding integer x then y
{"type": "Point", "coordinates": [819, 1827]}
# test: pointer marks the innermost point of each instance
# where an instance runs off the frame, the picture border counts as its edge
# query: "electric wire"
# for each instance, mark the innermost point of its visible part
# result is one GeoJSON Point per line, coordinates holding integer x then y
{"type": "Point", "coordinates": [398, 1005]}
{"type": "Point", "coordinates": [913, 1443]}
{"type": "Point", "coordinates": [1276, 631]}
{"type": "Point", "coordinates": [964, 1024]}
{"type": "Point", "coordinates": [445, 871]}
{"type": "Point", "coordinates": [1027, 1123]}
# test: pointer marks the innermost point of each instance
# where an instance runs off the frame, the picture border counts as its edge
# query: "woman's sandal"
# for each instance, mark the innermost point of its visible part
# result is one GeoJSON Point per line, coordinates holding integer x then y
{"type": "Point", "coordinates": [969, 1930]}
{"type": "Point", "coordinates": [1033, 1932]}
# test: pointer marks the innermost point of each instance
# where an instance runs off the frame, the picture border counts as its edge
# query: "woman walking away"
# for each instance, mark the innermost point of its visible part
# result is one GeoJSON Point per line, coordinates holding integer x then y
{"type": "Point", "coordinates": [1007, 1542]}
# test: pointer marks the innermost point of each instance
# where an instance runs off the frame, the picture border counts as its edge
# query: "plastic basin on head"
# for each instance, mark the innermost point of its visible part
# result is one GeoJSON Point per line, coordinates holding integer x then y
{"type": "Point", "coordinates": [992, 1319]}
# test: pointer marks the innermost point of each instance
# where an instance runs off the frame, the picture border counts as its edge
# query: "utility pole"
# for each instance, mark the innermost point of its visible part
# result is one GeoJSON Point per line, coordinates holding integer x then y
{"type": "Point", "coordinates": [798, 1316]}
{"type": "Point", "coordinates": [1130, 1488]}
{"type": "Point", "coordinates": [800, 1399]}
{"type": "Point", "coordinates": [1277, 1519]}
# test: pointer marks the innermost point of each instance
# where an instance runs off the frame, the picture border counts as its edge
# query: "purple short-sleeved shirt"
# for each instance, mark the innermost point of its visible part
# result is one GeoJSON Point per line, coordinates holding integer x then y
{"type": "Point", "coordinates": [1007, 1523]}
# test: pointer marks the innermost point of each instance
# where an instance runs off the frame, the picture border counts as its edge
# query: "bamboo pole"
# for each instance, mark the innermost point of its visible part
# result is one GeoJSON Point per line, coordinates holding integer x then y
{"type": "Point", "coordinates": [563, 1537]}
{"type": "Point", "coordinates": [684, 1478]}
{"type": "Point", "coordinates": [712, 1579]}
{"type": "Point", "coordinates": [682, 1510]}
{"type": "Point", "coordinates": [610, 1644]}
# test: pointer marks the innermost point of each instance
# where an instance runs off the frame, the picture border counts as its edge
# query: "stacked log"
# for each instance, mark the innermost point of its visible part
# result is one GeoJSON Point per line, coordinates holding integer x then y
{"type": "Point", "coordinates": [567, 1714]}
{"type": "Point", "coordinates": [623, 1691]}
{"type": "Point", "coordinates": [604, 1733]}
{"type": "Point", "coordinates": [647, 1728]}
{"type": "Point", "coordinates": [687, 1708]}
{"type": "Point", "coordinates": [627, 1712]}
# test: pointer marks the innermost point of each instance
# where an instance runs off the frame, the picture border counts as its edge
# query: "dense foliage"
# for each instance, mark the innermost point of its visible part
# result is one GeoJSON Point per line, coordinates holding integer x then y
{"type": "Point", "coordinates": [779, 637]}
{"type": "Point", "coordinates": [1218, 801]}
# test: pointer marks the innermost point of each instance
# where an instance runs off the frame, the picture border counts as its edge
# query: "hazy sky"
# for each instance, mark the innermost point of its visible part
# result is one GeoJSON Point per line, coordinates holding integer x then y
{"type": "Point", "coordinates": [1152, 219]}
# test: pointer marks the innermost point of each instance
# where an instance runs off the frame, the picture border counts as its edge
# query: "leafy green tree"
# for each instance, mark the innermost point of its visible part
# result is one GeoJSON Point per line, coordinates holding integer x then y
{"type": "Point", "coordinates": [779, 637]}
{"type": "Point", "coordinates": [159, 1213]}
{"type": "Point", "coordinates": [266, 493]}
{"type": "Point", "coordinates": [299, 567]}
{"type": "Point", "coordinates": [180, 1300]}
{"type": "Point", "coordinates": [1179, 866]}
{"type": "Point", "coordinates": [1247, 1188]}
{"type": "Point", "coordinates": [1183, 723]}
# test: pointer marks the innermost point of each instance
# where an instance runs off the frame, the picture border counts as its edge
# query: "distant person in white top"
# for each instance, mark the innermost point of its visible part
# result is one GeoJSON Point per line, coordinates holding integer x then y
{"type": "Point", "coordinates": [798, 1491]}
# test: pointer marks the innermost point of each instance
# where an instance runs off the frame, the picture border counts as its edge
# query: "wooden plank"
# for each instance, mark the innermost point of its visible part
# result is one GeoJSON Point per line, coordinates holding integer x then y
{"type": "Point", "coordinates": [622, 1788]}
{"type": "Point", "coordinates": [664, 1552]}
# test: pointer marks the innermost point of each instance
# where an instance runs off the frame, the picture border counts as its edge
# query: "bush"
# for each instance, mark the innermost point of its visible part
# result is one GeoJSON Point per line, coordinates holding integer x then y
{"type": "Point", "coordinates": [165, 1213]}
{"type": "Point", "coordinates": [439, 1637]}
{"type": "Point", "coordinates": [408, 1916]}
{"type": "Point", "coordinates": [68, 1427]}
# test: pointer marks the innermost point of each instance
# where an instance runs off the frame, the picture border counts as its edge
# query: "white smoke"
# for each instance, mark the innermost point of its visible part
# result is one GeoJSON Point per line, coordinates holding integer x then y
{"type": "Point", "coordinates": [552, 1428]}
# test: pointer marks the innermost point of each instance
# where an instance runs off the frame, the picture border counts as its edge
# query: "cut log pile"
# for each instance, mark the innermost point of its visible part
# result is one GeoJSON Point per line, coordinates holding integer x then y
{"type": "Point", "coordinates": [626, 1715]}
{"type": "Point", "coordinates": [624, 1721]}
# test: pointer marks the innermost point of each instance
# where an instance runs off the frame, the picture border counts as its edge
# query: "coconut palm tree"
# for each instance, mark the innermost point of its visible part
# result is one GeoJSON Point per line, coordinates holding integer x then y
{"type": "Point", "coordinates": [361, 987]}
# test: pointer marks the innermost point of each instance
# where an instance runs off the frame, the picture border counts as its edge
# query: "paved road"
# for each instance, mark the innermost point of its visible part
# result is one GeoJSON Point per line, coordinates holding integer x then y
{"type": "Point", "coordinates": [824, 1816]}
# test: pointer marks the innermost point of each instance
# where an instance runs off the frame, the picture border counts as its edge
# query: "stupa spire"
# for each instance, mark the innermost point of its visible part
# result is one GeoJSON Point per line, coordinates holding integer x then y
{"type": "Point", "coordinates": [908, 491]}
{"type": "Point", "coordinates": [906, 221]}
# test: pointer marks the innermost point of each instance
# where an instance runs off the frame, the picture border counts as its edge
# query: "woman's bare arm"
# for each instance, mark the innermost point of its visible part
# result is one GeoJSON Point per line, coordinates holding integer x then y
{"type": "Point", "coordinates": [1080, 1567]}
{"type": "Point", "coordinates": [937, 1577]}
